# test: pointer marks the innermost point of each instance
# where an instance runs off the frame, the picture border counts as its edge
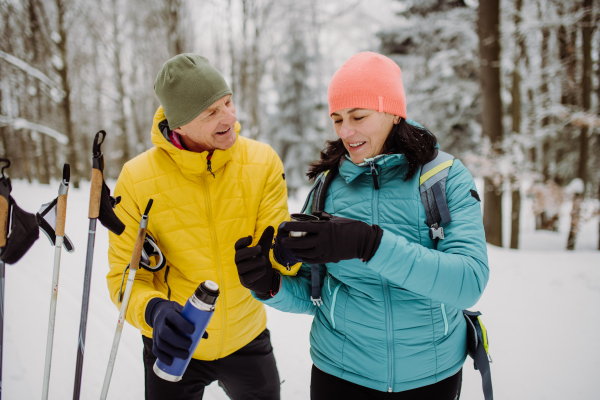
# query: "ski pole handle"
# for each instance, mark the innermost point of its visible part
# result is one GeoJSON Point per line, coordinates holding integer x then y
{"type": "Point", "coordinates": [61, 206]}
{"type": "Point", "coordinates": [95, 193]}
{"type": "Point", "coordinates": [139, 241]}
{"type": "Point", "coordinates": [3, 220]}
{"type": "Point", "coordinates": [97, 178]}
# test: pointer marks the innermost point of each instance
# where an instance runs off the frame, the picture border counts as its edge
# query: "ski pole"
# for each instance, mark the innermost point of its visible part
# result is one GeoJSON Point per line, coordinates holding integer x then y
{"type": "Point", "coordinates": [4, 206]}
{"type": "Point", "coordinates": [1, 318]}
{"type": "Point", "coordinates": [133, 267]}
{"type": "Point", "coordinates": [61, 214]}
{"type": "Point", "coordinates": [18, 231]}
{"type": "Point", "coordinates": [100, 208]}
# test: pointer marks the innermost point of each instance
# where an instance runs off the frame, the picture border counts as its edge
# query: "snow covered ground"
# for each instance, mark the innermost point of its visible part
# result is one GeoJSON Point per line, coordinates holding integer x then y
{"type": "Point", "coordinates": [540, 308]}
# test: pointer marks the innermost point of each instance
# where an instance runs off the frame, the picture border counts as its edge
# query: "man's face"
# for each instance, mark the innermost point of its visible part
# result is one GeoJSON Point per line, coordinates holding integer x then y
{"type": "Point", "coordinates": [212, 129]}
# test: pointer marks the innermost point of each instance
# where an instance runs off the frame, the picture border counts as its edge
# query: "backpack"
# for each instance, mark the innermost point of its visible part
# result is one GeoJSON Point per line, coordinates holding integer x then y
{"type": "Point", "coordinates": [432, 188]}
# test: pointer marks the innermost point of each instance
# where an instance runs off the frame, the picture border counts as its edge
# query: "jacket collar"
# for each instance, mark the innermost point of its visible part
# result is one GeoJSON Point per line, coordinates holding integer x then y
{"type": "Point", "coordinates": [350, 171]}
{"type": "Point", "coordinates": [190, 163]}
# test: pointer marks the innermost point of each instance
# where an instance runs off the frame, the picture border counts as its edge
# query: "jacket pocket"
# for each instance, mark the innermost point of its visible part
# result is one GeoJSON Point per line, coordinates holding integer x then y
{"type": "Point", "coordinates": [443, 308]}
{"type": "Point", "coordinates": [333, 298]}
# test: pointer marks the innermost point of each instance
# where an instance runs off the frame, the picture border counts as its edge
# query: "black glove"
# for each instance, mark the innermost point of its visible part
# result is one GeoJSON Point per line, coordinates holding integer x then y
{"type": "Point", "coordinates": [254, 266]}
{"type": "Point", "coordinates": [171, 336]}
{"type": "Point", "coordinates": [332, 239]}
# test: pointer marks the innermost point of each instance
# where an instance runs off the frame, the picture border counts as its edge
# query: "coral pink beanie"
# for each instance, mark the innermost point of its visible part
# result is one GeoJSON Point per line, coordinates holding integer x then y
{"type": "Point", "coordinates": [368, 80]}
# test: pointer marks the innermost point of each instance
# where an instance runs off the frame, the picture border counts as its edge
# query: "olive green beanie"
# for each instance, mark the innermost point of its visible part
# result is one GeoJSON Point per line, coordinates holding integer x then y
{"type": "Point", "coordinates": [186, 85]}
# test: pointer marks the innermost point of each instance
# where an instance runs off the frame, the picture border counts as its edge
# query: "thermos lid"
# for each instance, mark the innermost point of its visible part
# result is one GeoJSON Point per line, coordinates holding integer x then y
{"type": "Point", "coordinates": [207, 292]}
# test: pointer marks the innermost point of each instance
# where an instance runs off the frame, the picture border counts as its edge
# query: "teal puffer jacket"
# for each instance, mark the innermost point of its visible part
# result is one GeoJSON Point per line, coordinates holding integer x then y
{"type": "Point", "coordinates": [395, 323]}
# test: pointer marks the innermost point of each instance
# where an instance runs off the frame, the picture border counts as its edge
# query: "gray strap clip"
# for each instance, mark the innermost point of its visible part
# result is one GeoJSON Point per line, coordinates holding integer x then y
{"type": "Point", "coordinates": [317, 302]}
{"type": "Point", "coordinates": [436, 232]}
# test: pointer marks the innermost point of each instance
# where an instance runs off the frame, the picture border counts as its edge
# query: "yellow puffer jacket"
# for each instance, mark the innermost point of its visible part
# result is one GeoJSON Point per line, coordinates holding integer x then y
{"type": "Point", "coordinates": [196, 219]}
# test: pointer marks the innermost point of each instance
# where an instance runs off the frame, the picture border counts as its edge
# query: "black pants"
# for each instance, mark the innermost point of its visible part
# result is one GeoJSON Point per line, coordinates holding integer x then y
{"type": "Point", "coordinates": [249, 373]}
{"type": "Point", "coordinates": [326, 387]}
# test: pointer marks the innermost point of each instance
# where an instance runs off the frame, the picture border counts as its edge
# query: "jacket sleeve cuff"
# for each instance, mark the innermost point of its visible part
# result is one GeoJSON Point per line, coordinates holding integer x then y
{"type": "Point", "coordinates": [150, 309]}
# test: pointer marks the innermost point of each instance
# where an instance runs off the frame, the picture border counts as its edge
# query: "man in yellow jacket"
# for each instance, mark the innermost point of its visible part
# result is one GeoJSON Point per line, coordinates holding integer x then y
{"type": "Point", "coordinates": [210, 187]}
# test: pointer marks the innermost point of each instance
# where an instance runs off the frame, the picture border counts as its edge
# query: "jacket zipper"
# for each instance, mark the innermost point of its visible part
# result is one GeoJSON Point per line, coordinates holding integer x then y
{"type": "Point", "coordinates": [219, 271]}
{"type": "Point", "coordinates": [386, 288]}
{"type": "Point", "coordinates": [443, 307]}
{"type": "Point", "coordinates": [209, 166]}
{"type": "Point", "coordinates": [374, 174]}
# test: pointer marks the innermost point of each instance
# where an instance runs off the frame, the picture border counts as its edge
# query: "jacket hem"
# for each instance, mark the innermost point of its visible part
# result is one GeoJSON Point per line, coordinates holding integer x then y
{"type": "Point", "coordinates": [382, 386]}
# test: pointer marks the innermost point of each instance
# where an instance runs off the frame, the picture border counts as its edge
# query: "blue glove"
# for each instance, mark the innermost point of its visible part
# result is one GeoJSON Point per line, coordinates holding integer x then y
{"type": "Point", "coordinates": [283, 255]}
{"type": "Point", "coordinates": [171, 336]}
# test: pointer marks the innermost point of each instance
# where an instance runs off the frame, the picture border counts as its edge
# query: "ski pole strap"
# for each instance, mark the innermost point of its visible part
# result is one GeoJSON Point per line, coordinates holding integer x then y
{"type": "Point", "coordinates": [61, 207]}
{"type": "Point", "coordinates": [477, 347]}
{"type": "Point", "coordinates": [3, 220]}
{"type": "Point", "coordinates": [152, 257]}
{"type": "Point", "coordinates": [316, 285]}
{"type": "Point", "coordinates": [122, 281]}
{"type": "Point", "coordinates": [5, 189]}
{"type": "Point", "coordinates": [97, 180]}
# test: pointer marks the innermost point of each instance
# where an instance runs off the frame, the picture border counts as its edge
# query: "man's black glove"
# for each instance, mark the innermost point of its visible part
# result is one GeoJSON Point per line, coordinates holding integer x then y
{"type": "Point", "coordinates": [171, 336]}
{"type": "Point", "coordinates": [254, 267]}
{"type": "Point", "coordinates": [332, 239]}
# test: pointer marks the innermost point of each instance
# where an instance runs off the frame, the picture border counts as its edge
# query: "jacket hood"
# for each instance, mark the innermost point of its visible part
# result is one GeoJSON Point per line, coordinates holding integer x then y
{"type": "Point", "coordinates": [191, 163]}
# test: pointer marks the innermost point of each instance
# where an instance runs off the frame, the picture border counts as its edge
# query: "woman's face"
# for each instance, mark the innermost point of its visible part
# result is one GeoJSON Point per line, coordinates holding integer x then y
{"type": "Point", "coordinates": [363, 131]}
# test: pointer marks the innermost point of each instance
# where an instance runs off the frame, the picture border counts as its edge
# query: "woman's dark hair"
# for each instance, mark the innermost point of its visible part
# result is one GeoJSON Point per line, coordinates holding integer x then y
{"type": "Point", "coordinates": [417, 145]}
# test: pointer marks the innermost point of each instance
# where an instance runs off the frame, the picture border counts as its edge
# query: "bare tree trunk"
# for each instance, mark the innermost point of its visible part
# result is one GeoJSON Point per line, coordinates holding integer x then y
{"type": "Point", "coordinates": [4, 152]}
{"type": "Point", "coordinates": [598, 141]}
{"type": "Point", "coordinates": [586, 98]}
{"type": "Point", "coordinates": [24, 138]}
{"type": "Point", "coordinates": [516, 127]}
{"type": "Point", "coordinates": [45, 172]}
{"type": "Point", "coordinates": [122, 121]}
{"type": "Point", "coordinates": [491, 116]}
{"type": "Point", "coordinates": [232, 52]}
{"type": "Point", "coordinates": [545, 222]}
{"type": "Point", "coordinates": [66, 101]}
{"type": "Point", "coordinates": [175, 40]}
{"type": "Point", "coordinates": [41, 163]}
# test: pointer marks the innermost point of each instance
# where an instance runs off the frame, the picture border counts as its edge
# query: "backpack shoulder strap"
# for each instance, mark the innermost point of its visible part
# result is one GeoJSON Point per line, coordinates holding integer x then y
{"type": "Point", "coordinates": [320, 193]}
{"type": "Point", "coordinates": [432, 187]}
{"type": "Point", "coordinates": [478, 349]}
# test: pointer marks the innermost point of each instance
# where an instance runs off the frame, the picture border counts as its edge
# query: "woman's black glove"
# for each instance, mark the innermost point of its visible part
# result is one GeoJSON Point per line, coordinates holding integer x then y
{"type": "Point", "coordinates": [171, 337]}
{"type": "Point", "coordinates": [254, 267]}
{"type": "Point", "coordinates": [332, 239]}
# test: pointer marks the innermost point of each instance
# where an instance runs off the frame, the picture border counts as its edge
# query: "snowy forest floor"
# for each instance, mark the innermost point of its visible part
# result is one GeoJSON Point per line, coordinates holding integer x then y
{"type": "Point", "coordinates": [540, 309]}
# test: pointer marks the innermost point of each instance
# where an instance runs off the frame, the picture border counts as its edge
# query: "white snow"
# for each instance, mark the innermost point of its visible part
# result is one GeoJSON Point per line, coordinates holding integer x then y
{"type": "Point", "coordinates": [55, 36]}
{"type": "Point", "coordinates": [540, 308]}
{"type": "Point", "coordinates": [575, 186]}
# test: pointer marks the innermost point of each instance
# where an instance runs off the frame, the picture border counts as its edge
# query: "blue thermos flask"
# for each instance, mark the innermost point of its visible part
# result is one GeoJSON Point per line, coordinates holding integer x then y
{"type": "Point", "coordinates": [198, 310]}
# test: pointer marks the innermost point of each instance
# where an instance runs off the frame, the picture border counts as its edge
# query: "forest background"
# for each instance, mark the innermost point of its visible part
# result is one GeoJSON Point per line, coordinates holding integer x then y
{"type": "Point", "coordinates": [508, 86]}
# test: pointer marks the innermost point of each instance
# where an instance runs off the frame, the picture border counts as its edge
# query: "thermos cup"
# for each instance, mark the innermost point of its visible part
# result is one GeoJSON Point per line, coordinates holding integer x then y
{"type": "Point", "coordinates": [198, 310]}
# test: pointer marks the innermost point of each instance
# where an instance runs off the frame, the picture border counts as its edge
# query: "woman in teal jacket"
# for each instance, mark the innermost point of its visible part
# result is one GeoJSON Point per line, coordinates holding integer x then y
{"type": "Point", "coordinates": [391, 323]}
